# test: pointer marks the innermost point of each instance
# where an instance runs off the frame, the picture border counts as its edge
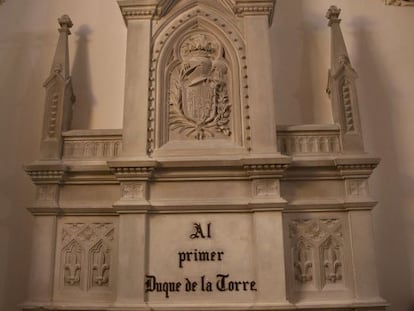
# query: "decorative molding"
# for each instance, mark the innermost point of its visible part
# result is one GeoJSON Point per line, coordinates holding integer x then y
{"type": "Point", "coordinates": [356, 187]}
{"type": "Point", "coordinates": [146, 9]}
{"type": "Point", "coordinates": [157, 9]}
{"type": "Point", "coordinates": [46, 174]}
{"type": "Point", "coordinates": [308, 144]}
{"type": "Point", "coordinates": [133, 173]}
{"type": "Point", "coordinates": [266, 188]}
{"type": "Point", "coordinates": [92, 144]}
{"type": "Point", "coordinates": [305, 140]}
{"type": "Point", "coordinates": [132, 191]}
{"type": "Point", "coordinates": [86, 250]}
{"type": "Point", "coordinates": [249, 7]}
{"type": "Point", "coordinates": [47, 196]}
{"type": "Point", "coordinates": [317, 251]}
{"type": "Point", "coordinates": [265, 170]}
{"type": "Point", "coordinates": [400, 2]}
{"type": "Point", "coordinates": [46, 193]}
{"type": "Point", "coordinates": [356, 168]}
{"type": "Point", "coordinates": [97, 149]}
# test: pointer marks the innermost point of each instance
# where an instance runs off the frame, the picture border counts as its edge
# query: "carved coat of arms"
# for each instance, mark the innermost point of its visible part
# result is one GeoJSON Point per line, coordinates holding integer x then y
{"type": "Point", "coordinates": [198, 99]}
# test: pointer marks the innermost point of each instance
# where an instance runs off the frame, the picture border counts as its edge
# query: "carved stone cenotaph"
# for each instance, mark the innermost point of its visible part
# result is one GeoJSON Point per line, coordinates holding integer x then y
{"type": "Point", "coordinates": [200, 202]}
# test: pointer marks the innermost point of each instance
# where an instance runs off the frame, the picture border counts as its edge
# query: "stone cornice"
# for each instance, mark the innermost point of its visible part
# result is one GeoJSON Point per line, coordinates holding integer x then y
{"type": "Point", "coordinates": [132, 170]}
{"type": "Point", "coordinates": [144, 9]}
{"type": "Point", "coordinates": [400, 2]}
{"type": "Point", "coordinates": [47, 173]}
{"type": "Point", "coordinates": [352, 167]}
{"type": "Point", "coordinates": [254, 7]}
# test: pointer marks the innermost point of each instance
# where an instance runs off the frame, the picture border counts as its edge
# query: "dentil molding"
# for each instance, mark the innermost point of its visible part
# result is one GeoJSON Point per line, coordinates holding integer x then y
{"type": "Point", "coordinates": [400, 2]}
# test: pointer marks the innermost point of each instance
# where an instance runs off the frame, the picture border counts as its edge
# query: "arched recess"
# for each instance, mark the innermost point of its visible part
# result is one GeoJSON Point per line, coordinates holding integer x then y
{"type": "Point", "coordinates": [198, 34]}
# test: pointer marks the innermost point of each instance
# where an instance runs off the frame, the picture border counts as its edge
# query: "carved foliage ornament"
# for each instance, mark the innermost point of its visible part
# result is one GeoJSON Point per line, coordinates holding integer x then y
{"type": "Point", "coordinates": [199, 104]}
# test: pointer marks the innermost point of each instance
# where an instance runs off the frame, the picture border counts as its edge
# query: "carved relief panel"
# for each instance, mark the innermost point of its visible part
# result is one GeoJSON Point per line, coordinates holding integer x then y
{"type": "Point", "coordinates": [84, 257]}
{"type": "Point", "coordinates": [317, 253]}
{"type": "Point", "coordinates": [198, 99]}
{"type": "Point", "coordinates": [198, 82]}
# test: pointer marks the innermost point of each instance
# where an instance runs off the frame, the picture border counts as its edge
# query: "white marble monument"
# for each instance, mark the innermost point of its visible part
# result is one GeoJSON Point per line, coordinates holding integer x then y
{"type": "Point", "coordinates": [202, 202]}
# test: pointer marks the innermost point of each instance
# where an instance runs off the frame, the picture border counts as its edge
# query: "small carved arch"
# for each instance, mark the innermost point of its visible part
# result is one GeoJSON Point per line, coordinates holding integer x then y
{"type": "Point", "coordinates": [99, 265]}
{"type": "Point", "coordinates": [331, 260]}
{"type": "Point", "coordinates": [302, 253]}
{"type": "Point", "coordinates": [71, 258]}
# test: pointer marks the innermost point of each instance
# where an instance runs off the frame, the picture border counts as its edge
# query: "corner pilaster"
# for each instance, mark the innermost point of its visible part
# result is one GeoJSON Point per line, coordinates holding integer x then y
{"type": "Point", "coordinates": [138, 17]}
{"type": "Point", "coordinates": [256, 18]}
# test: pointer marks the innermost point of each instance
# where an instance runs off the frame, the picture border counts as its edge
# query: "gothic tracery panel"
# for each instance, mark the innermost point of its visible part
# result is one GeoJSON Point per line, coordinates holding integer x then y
{"type": "Point", "coordinates": [85, 248]}
{"type": "Point", "coordinates": [317, 251]}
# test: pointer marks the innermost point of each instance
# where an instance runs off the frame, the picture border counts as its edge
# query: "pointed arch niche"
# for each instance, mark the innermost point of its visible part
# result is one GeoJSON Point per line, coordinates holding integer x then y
{"type": "Point", "coordinates": [198, 101]}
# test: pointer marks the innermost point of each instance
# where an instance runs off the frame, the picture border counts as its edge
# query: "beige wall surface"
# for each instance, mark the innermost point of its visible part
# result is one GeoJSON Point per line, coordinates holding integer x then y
{"type": "Point", "coordinates": [381, 47]}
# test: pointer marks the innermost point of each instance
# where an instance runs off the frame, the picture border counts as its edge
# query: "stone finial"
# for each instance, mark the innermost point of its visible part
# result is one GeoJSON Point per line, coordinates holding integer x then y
{"type": "Point", "coordinates": [333, 15]}
{"type": "Point", "coordinates": [59, 96]}
{"type": "Point", "coordinates": [65, 23]}
{"type": "Point", "coordinates": [342, 87]}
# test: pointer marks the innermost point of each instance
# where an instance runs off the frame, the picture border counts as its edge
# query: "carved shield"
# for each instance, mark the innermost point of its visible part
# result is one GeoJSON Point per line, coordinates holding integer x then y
{"type": "Point", "coordinates": [198, 101]}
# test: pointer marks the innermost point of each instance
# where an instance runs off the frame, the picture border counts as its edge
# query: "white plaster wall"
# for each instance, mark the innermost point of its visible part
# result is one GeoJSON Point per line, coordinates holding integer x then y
{"type": "Point", "coordinates": [381, 48]}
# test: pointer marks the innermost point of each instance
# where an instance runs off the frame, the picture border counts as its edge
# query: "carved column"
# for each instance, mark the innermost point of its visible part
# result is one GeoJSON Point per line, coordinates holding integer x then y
{"type": "Point", "coordinates": [59, 97]}
{"type": "Point", "coordinates": [256, 18]}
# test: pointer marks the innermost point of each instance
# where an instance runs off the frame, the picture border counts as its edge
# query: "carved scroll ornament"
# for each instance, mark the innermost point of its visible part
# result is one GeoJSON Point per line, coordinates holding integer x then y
{"type": "Point", "coordinates": [198, 97]}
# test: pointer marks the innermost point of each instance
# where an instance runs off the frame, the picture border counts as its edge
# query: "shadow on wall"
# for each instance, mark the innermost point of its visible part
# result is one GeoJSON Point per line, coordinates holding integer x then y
{"type": "Point", "coordinates": [24, 61]}
{"type": "Point", "coordinates": [81, 80]}
{"type": "Point", "coordinates": [296, 65]}
{"type": "Point", "coordinates": [392, 246]}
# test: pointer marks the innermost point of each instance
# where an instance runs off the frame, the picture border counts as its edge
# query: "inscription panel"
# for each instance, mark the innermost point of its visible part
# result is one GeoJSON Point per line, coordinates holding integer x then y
{"type": "Point", "coordinates": [201, 257]}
